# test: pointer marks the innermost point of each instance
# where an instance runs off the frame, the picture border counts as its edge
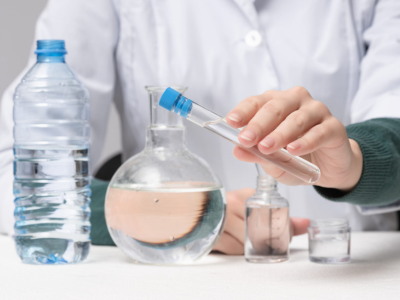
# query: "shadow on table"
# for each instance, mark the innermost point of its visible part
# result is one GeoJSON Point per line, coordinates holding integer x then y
{"type": "Point", "coordinates": [119, 257]}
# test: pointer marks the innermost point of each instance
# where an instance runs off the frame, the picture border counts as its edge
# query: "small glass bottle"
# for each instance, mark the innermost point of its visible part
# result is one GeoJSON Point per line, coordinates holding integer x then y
{"type": "Point", "coordinates": [267, 223]}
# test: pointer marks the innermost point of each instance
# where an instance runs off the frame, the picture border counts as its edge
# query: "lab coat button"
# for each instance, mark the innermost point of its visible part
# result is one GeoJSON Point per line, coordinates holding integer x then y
{"type": "Point", "coordinates": [253, 38]}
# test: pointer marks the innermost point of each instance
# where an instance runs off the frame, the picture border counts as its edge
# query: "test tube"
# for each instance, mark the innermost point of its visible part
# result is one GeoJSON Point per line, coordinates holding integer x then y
{"type": "Point", "coordinates": [176, 102]}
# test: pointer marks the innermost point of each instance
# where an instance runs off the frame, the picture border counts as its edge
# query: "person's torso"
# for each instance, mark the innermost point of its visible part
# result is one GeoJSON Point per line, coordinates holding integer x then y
{"type": "Point", "coordinates": [227, 50]}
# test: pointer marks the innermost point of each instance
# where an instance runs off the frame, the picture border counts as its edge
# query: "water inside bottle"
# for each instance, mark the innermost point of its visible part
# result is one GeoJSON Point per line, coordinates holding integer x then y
{"type": "Point", "coordinates": [51, 205]}
{"type": "Point", "coordinates": [162, 224]}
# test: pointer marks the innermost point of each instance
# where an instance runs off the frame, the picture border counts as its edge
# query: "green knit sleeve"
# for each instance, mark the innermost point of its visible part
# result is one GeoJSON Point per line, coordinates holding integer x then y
{"type": "Point", "coordinates": [379, 140]}
{"type": "Point", "coordinates": [99, 232]}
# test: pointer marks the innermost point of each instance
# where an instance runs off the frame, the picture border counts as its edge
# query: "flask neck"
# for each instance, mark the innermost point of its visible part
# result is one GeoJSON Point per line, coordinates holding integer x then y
{"type": "Point", "coordinates": [165, 137]}
{"type": "Point", "coordinates": [166, 130]}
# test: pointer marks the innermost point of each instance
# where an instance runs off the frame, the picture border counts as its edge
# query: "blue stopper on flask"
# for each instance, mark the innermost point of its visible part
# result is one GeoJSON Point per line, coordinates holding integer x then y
{"type": "Point", "coordinates": [168, 98]}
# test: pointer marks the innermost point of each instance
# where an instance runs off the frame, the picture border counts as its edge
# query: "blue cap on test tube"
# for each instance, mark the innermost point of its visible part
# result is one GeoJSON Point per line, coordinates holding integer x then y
{"type": "Point", "coordinates": [174, 101]}
{"type": "Point", "coordinates": [168, 98]}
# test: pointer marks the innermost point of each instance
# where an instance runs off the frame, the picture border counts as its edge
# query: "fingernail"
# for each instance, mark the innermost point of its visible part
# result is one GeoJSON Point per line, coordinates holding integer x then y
{"type": "Point", "coordinates": [248, 135]}
{"type": "Point", "coordinates": [294, 145]}
{"type": "Point", "coordinates": [234, 117]}
{"type": "Point", "coordinates": [268, 142]}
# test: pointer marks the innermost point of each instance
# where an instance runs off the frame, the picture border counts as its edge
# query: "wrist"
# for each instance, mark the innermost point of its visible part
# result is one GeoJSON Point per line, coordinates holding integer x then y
{"type": "Point", "coordinates": [355, 170]}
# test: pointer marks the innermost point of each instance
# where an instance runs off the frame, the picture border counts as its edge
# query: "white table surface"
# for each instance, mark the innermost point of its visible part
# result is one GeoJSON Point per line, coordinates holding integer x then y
{"type": "Point", "coordinates": [374, 273]}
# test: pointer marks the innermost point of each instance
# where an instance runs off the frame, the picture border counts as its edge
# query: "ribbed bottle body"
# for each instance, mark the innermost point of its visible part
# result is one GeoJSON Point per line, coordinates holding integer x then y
{"type": "Point", "coordinates": [51, 166]}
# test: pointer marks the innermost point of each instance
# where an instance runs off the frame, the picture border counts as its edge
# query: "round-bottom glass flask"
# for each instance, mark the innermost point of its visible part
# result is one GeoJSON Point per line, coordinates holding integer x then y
{"type": "Point", "coordinates": [165, 205]}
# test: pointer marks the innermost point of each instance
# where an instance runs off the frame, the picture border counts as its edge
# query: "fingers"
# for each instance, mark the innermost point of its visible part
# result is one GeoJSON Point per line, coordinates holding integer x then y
{"type": "Point", "coordinates": [329, 133]}
{"type": "Point", "coordinates": [236, 201]}
{"type": "Point", "coordinates": [263, 113]}
{"type": "Point", "coordinates": [235, 210]}
{"type": "Point", "coordinates": [245, 110]}
{"type": "Point", "coordinates": [232, 240]}
{"type": "Point", "coordinates": [269, 168]}
{"type": "Point", "coordinates": [300, 225]}
{"type": "Point", "coordinates": [240, 196]}
{"type": "Point", "coordinates": [295, 125]}
{"type": "Point", "coordinates": [276, 119]}
{"type": "Point", "coordinates": [234, 226]}
{"type": "Point", "coordinates": [242, 113]}
{"type": "Point", "coordinates": [229, 245]}
{"type": "Point", "coordinates": [266, 120]}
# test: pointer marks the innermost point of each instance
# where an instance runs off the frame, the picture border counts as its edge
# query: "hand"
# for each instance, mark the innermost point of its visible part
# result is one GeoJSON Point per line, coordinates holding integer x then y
{"type": "Point", "coordinates": [293, 119]}
{"type": "Point", "coordinates": [232, 239]}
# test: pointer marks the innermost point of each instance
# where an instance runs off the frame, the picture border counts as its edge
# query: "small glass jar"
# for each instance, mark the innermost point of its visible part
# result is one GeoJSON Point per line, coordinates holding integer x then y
{"type": "Point", "coordinates": [329, 241]}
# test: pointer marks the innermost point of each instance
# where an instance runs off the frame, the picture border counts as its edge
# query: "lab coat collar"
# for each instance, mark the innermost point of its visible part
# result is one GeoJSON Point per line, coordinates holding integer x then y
{"type": "Point", "coordinates": [249, 10]}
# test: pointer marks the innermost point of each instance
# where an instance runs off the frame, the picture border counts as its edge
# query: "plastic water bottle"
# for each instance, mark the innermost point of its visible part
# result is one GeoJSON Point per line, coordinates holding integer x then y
{"type": "Point", "coordinates": [51, 161]}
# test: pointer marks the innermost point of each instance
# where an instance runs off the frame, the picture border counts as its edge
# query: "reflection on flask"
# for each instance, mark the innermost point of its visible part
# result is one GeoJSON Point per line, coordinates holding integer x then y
{"type": "Point", "coordinates": [179, 215]}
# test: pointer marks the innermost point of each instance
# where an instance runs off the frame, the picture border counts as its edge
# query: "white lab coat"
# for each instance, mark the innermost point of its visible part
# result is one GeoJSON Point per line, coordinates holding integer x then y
{"type": "Point", "coordinates": [345, 52]}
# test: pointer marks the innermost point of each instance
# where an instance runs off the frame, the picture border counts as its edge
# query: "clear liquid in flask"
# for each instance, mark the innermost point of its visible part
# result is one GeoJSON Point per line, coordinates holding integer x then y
{"type": "Point", "coordinates": [165, 225]}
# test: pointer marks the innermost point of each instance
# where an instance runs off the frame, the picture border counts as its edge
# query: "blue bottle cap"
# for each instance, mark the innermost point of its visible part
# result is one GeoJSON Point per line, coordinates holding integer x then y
{"type": "Point", "coordinates": [168, 98]}
{"type": "Point", "coordinates": [50, 47]}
